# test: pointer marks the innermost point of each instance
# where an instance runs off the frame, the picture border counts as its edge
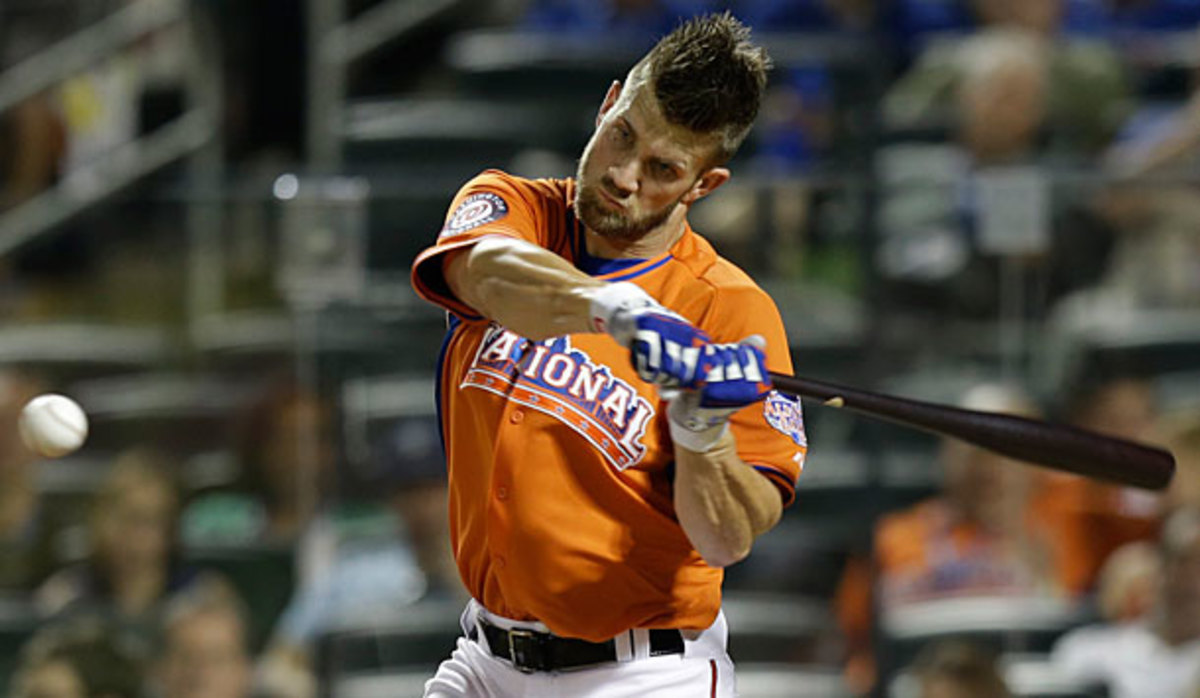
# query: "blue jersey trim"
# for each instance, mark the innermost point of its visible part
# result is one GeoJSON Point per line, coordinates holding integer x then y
{"type": "Point", "coordinates": [599, 266]}
{"type": "Point", "coordinates": [644, 270]}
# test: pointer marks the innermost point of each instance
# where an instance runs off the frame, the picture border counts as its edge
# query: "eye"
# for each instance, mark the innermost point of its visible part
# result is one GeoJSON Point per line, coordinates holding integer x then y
{"type": "Point", "coordinates": [664, 170]}
{"type": "Point", "coordinates": [622, 133]}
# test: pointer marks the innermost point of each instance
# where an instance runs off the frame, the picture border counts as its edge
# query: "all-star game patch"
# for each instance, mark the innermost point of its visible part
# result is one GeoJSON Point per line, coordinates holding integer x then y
{"type": "Point", "coordinates": [783, 412]}
{"type": "Point", "coordinates": [476, 210]}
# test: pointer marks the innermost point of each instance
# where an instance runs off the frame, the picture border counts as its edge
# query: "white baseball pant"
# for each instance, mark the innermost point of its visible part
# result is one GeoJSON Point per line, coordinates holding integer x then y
{"type": "Point", "coordinates": [704, 670]}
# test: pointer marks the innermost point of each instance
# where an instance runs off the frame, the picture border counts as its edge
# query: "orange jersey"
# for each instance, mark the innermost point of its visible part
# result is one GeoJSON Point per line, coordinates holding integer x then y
{"type": "Point", "coordinates": [1089, 520]}
{"type": "Point", "coordinates": [560, 461]}
{"type": "Point", "coordinates": [925, 553]}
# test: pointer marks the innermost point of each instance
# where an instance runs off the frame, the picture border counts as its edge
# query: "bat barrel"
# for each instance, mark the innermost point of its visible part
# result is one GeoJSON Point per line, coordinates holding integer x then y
{"type": "Point", "coordinates": [1033, 441]}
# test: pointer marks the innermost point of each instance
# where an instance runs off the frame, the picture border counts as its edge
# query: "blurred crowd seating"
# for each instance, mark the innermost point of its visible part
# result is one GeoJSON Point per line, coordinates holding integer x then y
{"type": "Point", "coordinates": [987, 202]}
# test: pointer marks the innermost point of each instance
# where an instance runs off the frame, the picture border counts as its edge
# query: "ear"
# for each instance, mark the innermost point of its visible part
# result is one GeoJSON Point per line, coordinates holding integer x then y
{"type": "Point", "coordinates": [610, 100]}
{"type": "Point", "coordinates": [707, 184]}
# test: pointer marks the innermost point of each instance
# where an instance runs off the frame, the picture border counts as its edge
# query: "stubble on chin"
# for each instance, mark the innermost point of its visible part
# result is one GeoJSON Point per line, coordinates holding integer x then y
{"type": "Point", "coordinates": [590, 211]}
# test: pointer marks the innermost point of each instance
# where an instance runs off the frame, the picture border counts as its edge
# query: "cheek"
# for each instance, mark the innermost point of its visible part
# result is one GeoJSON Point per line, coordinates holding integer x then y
{"type": "Point", "coordinates": [657, 197]}
{"type": "Point", "coordinates": [591, 163]}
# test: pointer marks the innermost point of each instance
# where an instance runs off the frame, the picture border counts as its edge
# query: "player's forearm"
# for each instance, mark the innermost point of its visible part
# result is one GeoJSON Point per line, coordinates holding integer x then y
{"type": "Point", "coordinates": [722, 503]}
{"type": "Point", "coordinates": [526, 288]}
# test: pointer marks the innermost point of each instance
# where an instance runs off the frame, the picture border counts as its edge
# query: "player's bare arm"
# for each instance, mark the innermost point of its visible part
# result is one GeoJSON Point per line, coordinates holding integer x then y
{"type": "Point", "coordinates": [588, 409]}
{"type": "Point", "coordinates": [722, 503]}
{"type": "Point", "coordinates": [526, 288]}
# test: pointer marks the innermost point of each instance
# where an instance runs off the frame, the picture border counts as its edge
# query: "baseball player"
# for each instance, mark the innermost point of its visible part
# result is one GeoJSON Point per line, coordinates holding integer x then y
{"type": "Point", "coordinates": [611, 433]}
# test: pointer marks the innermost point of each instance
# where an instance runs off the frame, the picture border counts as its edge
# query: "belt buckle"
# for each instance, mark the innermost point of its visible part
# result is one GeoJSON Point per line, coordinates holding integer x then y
{"type": "Point", "coordinates": [522, 648]}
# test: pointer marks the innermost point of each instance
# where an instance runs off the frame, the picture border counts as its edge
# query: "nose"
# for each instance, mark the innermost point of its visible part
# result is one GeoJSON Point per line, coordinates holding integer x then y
{"type": "Point", "coordinates": [623, 176]}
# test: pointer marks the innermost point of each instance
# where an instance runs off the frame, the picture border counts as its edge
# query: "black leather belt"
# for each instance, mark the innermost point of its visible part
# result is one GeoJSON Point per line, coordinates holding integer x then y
{"type": "Point", "coordinates": [531, 651]}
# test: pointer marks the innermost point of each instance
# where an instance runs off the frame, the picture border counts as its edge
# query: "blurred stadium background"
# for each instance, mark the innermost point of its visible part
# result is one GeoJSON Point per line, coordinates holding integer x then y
{"type": "Point", "coordinates": [207, 213]}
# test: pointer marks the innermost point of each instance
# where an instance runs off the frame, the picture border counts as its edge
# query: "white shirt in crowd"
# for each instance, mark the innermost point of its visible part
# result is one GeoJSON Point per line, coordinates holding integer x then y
{"type": "Point", "coordinates": [1131, 660]}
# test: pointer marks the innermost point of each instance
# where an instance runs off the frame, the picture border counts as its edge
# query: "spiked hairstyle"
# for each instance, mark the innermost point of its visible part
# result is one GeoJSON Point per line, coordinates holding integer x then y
{"type": "Point", "coordinates": [707, 76]}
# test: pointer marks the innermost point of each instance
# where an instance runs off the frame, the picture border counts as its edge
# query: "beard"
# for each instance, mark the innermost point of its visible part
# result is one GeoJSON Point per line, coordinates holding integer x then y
{"type": "Point", "coordinates": [598, 216]}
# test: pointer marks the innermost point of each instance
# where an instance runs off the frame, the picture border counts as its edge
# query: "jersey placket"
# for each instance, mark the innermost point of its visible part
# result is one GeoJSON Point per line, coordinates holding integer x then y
{"type": "Point", "coordinates": [501, 491]}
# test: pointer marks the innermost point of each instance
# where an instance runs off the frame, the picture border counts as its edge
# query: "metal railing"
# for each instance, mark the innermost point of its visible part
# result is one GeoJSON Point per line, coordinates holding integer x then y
{"type": "Point", "coordinates": [340, 42]}
{"type": "Point", "coordinates": [194, 134]}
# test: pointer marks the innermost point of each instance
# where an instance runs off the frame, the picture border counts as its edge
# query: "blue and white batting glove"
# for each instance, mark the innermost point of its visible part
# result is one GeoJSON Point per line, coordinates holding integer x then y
{"type": "Point", "coordinates": [732, 377]}
{"type": "Point", "coordinates": [665, 347]}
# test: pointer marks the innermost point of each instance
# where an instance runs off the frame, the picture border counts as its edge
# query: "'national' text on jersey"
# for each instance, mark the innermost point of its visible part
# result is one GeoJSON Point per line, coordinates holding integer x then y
{"type": "Point", "coordinates": [562, 381]}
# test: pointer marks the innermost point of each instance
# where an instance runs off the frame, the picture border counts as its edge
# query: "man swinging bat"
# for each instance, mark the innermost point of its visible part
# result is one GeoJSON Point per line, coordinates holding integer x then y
{"type": "Point", "coordinates": [612, 436]}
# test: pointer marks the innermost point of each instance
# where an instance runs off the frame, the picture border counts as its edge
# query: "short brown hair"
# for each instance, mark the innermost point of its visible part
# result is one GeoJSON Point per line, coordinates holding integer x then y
{"type": "Point", "coordinates": [964, 665]}
{"type": "Point", "coordinates": [707, 76]}
{"type": "Point", "coordinates": [209, 594]}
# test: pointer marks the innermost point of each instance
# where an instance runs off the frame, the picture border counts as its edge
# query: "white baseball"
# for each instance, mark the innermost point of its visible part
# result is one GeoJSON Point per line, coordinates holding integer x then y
{"type": "Point", "coordinates": [53, 425]}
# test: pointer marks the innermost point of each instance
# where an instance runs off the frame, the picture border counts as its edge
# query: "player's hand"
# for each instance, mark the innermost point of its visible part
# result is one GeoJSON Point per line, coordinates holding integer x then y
{"type": "Point", "coordinates": [666, 348]}
{"type": "Point", "coordinates": [732, 377]}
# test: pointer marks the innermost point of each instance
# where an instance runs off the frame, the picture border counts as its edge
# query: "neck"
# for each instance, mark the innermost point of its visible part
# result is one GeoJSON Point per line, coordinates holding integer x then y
{"type": "Point", "coordinates": [652, 244]}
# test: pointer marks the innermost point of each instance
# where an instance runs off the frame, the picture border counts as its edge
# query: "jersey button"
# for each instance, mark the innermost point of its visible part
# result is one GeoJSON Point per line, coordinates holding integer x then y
{"type": "Point", "coordinates": [502, 492]}
{"type": "Point", "coordinates": [517, 416]}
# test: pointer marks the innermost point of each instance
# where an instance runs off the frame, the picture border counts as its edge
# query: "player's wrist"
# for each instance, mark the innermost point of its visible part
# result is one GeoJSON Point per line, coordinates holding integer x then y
{"type": "Point", "coordinates": [695, 429]}
{"type": "Point", "coordinates": [611, 306]}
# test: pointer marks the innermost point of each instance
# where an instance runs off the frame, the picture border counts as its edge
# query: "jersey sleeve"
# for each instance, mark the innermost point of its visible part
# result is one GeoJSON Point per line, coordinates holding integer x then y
{"type": "Point", "coordinates": [493, 203]}
{"type": "Point", "coordinates": [770, 433]}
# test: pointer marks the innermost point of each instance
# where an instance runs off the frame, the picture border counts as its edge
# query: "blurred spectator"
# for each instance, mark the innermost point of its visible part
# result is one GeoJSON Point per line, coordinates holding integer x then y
{"type": "Point", "coordinates": [1181, 436]}
{"type": "Point", "coordinates": [77, 661]}
{"type": "Point", "coordinates": [74, 123]}
{"type": "Point", "coordinates": [99, 110]}
{"type": "Point", "coordinates": [1001, 99]}
{"type": "Point", "coordinates": [204, 652]}
{"type": "Point", "coordinates": [412, 455]}
{"type": "Point", "coordinates": [956, 669]}
{"type": "Point", "coordinates": [1154, 142]}
{"type": "Point", "coordinates": [355, 566]}
{"type": "Point", "coordinates": [356, 557]}
{"type": "Point", "coordinates": [361, 562]}
{"type": "Point", "coordinates": [1158, 657]}
{"type": "Point", "coordinates": [953, 213]}
{"type": "Point", "coordinates": [287, 460]}
{"type": "Point", "coordinates": [1090, 519]}
{"type": "Point", "coordinates": [32, 141]}
{"type": "Point", "coordinates": [1086, 94]}
{"type": "Point", "coordinates": [978, 538]}
{"type": "Point", "coordinates": [1152, 204]}
{"type": "Point", "coordinates": [24, 548]}
{"type": "Point", "coordinates": [133, 568]}
{"type": "Point", "coordinates": [32, 136]}
{"type": "Point", "coordinates": [1128, 584]}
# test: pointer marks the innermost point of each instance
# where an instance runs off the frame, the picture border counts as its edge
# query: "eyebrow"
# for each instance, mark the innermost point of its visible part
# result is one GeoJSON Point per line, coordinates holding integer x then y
{"type": "Point", "coordinates": [676, 163]}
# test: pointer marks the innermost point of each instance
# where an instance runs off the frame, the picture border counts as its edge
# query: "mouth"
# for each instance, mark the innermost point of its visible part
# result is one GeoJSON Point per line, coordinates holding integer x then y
{"type": "Point", "coordinates": [611, 200]}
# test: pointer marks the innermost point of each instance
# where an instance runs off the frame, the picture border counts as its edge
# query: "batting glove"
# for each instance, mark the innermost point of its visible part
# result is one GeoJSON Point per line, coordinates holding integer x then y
{"type": "Point", "coordinates": [733, 376]}
{"type": "Point", "coordinates": [665, 347]}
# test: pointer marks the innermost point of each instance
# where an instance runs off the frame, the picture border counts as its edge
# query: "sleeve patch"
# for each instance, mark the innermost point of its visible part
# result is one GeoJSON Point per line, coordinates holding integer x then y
{"type": "Point", "coordinates": [474, 211]}
{"type": "Point", "coordinates": [784, 414]}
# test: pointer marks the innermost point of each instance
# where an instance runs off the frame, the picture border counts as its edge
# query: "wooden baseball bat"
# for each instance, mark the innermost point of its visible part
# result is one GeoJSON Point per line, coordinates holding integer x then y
{"type": "Point", "coordinates": [1033, 441]}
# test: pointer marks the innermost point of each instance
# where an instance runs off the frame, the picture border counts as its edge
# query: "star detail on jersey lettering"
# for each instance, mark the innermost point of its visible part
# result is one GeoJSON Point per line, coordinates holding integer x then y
{"type": "Point", "coordinates": [474, 211]}
{"type": "Point", "coordinates": [784, 414]}
{"type": "Point", "coordinates": [559, 380]}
